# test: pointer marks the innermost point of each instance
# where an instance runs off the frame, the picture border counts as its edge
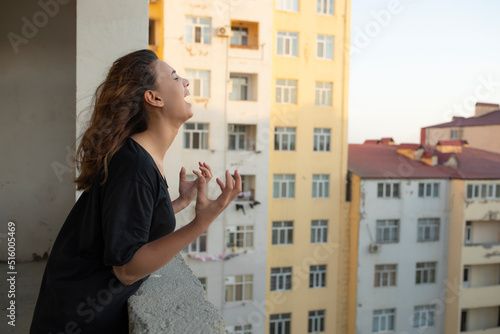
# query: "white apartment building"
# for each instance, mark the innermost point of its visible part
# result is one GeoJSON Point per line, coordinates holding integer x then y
{"type": "Point", "coordinates": [403, 241]}
{"type": "Point", "coordinates": [220, 48]}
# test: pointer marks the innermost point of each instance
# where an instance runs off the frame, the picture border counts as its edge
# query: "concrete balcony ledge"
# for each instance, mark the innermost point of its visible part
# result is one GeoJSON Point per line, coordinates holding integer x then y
{"type": "Point", "coordinates": [481, 254]}
{"type": "Point", "coordinates": [483, 296]}
{"type": "Point", "coordinates": [172, 300]}
{"type": "Point", "coordinates": [494, 330]}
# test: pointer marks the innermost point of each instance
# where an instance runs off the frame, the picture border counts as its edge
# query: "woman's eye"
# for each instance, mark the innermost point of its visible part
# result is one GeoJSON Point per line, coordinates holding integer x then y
{"type": "Point", "coordinates": [177, 78]}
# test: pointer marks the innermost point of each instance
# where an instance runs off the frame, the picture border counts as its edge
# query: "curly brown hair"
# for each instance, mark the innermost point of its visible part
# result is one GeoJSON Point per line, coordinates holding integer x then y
{"type": "Point", "coordinates": [118, 112]}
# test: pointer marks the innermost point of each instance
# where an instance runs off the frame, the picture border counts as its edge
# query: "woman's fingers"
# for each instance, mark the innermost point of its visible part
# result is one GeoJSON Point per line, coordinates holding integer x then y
{"type": "Point", "coordinates": [221, 184]}
{"type": "Point", "coordinates": [202, 185]}
{"type": "Point", "coordinates": [182, 174]}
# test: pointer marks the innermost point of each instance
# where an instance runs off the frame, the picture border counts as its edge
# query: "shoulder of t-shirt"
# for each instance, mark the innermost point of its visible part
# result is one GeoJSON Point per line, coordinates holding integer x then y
{"type": "Point", "coordinates": [132, 163]}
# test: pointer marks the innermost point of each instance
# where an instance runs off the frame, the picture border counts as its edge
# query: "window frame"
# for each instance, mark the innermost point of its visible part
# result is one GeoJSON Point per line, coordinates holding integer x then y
{"type": "Point", "coordinates": [244, 286]}
{"type": "Point", "coordinates": [203, 135]}
{"type": "Point", "coordinates": [199, 82]}
{"type": "Point", "coordinates": [388, 316]}
{"type": "Point", "coordinates": [322, 136]}
{"type": "Point", "coordinates": [282, 132]}
{"type": "Point", "coordinates": [281, 279]}
{"type": "Point", "coordinates": [321, 9]}
{"type": "Point", "coordinates": [321, 186]}
{"type": "Point", "coordinates": [323, 95]}
{"type": "Point", "coordinates": [243, 233]}
{"type": "Point", "coordinates": [293, 5]}
{"type": "Point", "coordinates": [428, 229]}
{"type": "Point", "coordinates": [285, 186]}
{"type": "Point", "coordinates": [317, 276]}
{"type": "Point", "coordinates": [204, 28]}
{"type": "Point", "coordinates": [386, 275]}
{"type": "Point", "coordinates": [327, 45]}
{"type": "Point", "coordinates": [421, 315]}
{"type": "Point", "coordinates": [316, 321]}
{"type": "Point", "coordinates": [319, 232]}
{"type": "Point", "coordinates": [198, 245]}
{"type": "Point", "coordinates": [282, 232]}
{"type": "Point", "coordinates": [387, 237]}
{"type": "Point", "coordinates": [389, 187]}
{"type": "Point", "coordinates": [428, 189]}
{"type": "Point", "coordinates": [280, 323]}
{"type": "Point", "coordinates": [426, 273]}
{"type": "Point", "coordinates": [287, 44]}
{"type": "Point", "coordinates": [286, 87]}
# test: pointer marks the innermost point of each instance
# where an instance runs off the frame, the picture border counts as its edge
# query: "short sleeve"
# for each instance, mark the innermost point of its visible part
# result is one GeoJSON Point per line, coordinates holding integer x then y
{"type": "Point", "coordinates": [127, 213]}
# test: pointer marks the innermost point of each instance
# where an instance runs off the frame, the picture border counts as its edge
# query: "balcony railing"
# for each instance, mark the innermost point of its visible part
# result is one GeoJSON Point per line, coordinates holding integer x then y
{"type": "Point", "coordinates": [172, 300]}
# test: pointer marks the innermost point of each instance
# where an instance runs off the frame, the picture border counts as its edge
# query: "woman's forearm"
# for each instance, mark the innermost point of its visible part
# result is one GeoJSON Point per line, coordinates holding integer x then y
{"type": "Point", "coordinates": [154, 255]}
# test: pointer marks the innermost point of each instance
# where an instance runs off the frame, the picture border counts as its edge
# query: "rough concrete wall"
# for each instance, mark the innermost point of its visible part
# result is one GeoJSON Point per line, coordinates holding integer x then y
{"type": "Point", "coordinates": [37, 126]}
{"type": "Point", "coordinates": [172, 300]}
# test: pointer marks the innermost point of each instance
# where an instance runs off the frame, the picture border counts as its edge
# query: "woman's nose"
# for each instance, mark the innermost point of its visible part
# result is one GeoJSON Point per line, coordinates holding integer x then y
{"type": "Point", "coordinates": [186, 82]}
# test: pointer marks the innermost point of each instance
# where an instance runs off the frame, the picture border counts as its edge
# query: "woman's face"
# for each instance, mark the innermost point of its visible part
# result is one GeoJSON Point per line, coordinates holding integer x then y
{"type": "Point", "coordinates": [171, 90]}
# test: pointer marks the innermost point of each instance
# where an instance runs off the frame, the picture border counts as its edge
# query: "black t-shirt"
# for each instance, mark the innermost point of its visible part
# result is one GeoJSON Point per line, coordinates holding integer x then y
{"type": "Point", "coordinates": [107, 225]}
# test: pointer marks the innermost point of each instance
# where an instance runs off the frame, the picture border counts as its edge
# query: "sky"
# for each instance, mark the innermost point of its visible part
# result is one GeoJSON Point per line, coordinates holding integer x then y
{"type": "Point", "coordinates": [416, 63]}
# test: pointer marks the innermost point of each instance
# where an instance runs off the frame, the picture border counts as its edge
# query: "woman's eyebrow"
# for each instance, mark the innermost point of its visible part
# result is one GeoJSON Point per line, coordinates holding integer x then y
{"type": "Point", "coordinates": [173, 72]}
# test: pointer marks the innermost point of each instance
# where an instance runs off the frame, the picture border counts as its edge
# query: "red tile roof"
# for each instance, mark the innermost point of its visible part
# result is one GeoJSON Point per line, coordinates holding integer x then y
{"type": "Point", "coordinates": [383, 161]}
{"type": "Point", "coordinates": [371, 141]}
{"type": "Point", "coordinates": [490, 118]}
{"type": "Point", "coordinates": [483, 104]}
{"type": "Point", "coordinates": [409, 146]}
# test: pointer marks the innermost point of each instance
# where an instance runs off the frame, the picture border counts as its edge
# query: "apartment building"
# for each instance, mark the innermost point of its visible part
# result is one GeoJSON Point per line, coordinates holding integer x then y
{"type": "Point", "coordinates": [480, 131]}
{"type": "Point", "coordinates": [401, 208]}
{"type": "Point", "coordinates": [428, 256]}
{"type": "Point", "coordinates": [221, 48]}
{"type": "Point", "coordinates": [306, 282]}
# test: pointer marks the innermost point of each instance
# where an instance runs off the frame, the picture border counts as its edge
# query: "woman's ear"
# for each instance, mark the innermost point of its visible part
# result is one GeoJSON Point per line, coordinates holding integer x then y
{"type": "Point", "coordinates": [152, 98]}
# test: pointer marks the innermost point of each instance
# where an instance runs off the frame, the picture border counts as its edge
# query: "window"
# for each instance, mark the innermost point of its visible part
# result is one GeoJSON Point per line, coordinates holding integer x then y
{"type": "Point", "coordinates": [423, 316]}
{"type": "Point", "coordinates": [284, 139]}
{"type": "Point", "coordinates": [386, 190]}
{"type": "Point", "coordinates": [284, 186]}
{"type": "Point", "coordinates": [237, 137]}
{"type": "Point", "coordinates": [325, 7]}
{"type": "Point", "coordinates": [387, 231]}
{"type": "Point", "coordinates": [238, 288]}
{"type": "Point", "coordinates": [321, 186]}
{"type": "Point", "coordinates": [240, 236]}
{"type": "Point", "coordinates": [383, 320]}
{"type": "Point", "coordinates": [317, 276]}
{"type": "Point", "coordinates": [323, 94]}
{"type": "Point", "coordinates": [466, 282]}
{"type": "Point", "coordinates": [280, 323]}
{"type": "Point", "coordinates": [241, 137]}
{"type": "Point", "coordinates": [203, 281]}
{"type": "Point", "coordinates": [152, 35]}
{"type": "Point", "coordinates": [286, 91]}
{"type": "Point", "coordinates": [199, 245]}
{"type": "Point", "coordinates": [199, 83]}
{"type": "Point", "coordinates": [463, 321]}
{"type": "Point", "coordinates": [483, 191]}
{"type": "Point", "coordinates": [288, 5]}
{"type": "Point", "coordinates": [428, 229]}
{"type": "Point", "coordinates": [454, 134]}
{"type": "Point", "coordinates": [324, 47]}
{"type": "Point", "coordinates": [322, 140]}
{"type": "Point", "coordinates": [288, 44]}
{"type": "Point", "coordinates": [281, 279]}
{"type": "Point", "coordinates": [386, 275]}
{"type": "Point", "coordinates": [428, 190]}
{"type": "Point", "coordinates": [240, 36]}
{"type": "Point", "coordinates": [196, 136]}
{"type": "Point", "coordinates": [282, 232]}
{"type": "Point", "coordinates": [247, 188]}
{"type": "Point", "coordinates": [242, 329]}
{"type": "Point", "coordinates": [426, 273]}
{"type": "Point", "coordinates": [240, 90]}
{"type": "Point", "coordinates": [319, 231]}
{"type": "Point", "coordinates": [316, 321]}
{"type": "Point", "coordinates": [468, 233]}
{"type": "Point", "coordinates": [198, 30]}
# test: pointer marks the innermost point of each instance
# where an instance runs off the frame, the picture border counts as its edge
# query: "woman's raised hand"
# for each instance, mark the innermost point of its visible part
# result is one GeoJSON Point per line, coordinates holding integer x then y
{"type": "Point", "coordinates": [206, 209]}
{"type": "Point", "coordinates": [188, 189]}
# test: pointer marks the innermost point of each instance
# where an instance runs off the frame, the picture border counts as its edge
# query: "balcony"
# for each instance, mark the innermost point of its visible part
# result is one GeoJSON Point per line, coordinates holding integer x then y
{"type": "Point", "coordinates": [481, 254]}
{"type": "Point", "coordinates": [482, 320]}
{"type": "Point", "coordinates": [172, 300]}
{"type": "Point", "coordinates": [244, 41]}
{"type": "Point", "coordinates": [485, 296]}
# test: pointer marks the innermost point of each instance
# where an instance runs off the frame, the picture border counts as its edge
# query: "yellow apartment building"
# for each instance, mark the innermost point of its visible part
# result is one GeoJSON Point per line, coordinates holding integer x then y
{"type": "Point", "coordinates": [306, 277]}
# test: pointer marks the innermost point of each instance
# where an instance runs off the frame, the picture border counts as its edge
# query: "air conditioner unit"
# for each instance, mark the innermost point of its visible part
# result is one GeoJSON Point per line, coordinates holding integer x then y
{"type": "Point", "coordinates": [224, 31]}
{"type": "Point", "coordinates": [375, 248]}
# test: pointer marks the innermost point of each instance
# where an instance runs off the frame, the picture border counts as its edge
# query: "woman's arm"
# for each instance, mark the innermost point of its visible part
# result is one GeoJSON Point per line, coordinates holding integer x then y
{"type": "Point", "coordinates": [154, 255]}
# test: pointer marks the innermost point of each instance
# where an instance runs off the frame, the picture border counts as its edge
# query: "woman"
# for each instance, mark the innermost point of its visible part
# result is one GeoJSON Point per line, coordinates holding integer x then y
{"type": "Point", "coordinates": [121, 229]}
